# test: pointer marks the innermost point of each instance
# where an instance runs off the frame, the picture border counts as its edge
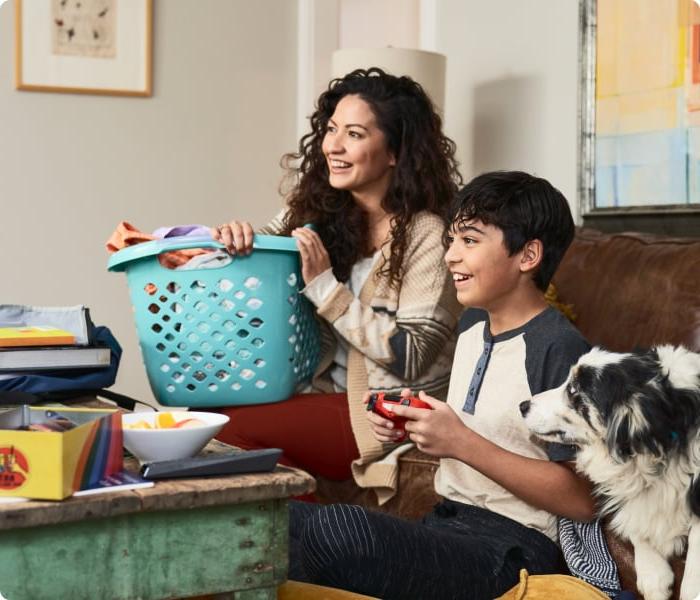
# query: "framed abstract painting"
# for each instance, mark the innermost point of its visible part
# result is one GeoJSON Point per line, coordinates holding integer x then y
{"type": "Point", "coordinates": [639, 108]}
{"type": "Point", "coordinates": [84, 46]}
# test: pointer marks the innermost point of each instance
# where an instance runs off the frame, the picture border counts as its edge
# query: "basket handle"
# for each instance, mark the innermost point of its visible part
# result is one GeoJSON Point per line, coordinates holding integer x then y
{"type": "Point", "coordinates": [119, 260]}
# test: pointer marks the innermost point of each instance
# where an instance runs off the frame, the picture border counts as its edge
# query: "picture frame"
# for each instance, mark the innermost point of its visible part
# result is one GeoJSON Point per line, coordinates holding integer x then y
{"type": "Point", "coordinates": [639, 139]}
{"type": "Point", "coordinates": [84, 46]}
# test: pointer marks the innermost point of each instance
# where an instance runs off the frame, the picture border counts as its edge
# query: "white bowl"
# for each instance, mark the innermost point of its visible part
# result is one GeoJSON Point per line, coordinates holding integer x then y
{"type": "Point", "coordinates": [149, 445]}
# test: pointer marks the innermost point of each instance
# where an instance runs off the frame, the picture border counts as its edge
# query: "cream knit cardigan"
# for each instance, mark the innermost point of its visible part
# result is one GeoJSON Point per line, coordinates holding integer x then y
{"type": "Point", "coordinates": [398, 337]}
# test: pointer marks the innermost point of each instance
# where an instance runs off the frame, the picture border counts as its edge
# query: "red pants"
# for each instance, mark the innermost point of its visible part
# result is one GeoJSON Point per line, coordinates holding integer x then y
{"type": "Point", "coordinates": [313, 430]}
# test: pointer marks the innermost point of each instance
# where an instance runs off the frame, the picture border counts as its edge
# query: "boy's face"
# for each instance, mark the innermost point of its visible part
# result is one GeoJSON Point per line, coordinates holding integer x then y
{"type": "Point", "coordinates": [484, 275]}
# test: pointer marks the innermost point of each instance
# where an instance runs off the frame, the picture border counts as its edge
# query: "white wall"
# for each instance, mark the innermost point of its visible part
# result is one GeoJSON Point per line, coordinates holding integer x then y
{"type": "Point", "coordinates": [512, 77]}
{"type": "Point", "coordinates": [204, 148]}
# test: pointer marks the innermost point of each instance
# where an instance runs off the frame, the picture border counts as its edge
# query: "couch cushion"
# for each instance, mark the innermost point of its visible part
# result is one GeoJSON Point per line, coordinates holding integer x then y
{"type": "Point", "coordinates": [632, 290]}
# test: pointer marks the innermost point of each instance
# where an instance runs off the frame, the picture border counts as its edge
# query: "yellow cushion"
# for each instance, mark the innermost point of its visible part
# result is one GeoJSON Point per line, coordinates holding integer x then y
{"type": "Point", "coordinates": [552, 297]}
{"type": "Point", "coordinates": [552, 587]}
{"type": "Point", "coordinates": [295, 590]}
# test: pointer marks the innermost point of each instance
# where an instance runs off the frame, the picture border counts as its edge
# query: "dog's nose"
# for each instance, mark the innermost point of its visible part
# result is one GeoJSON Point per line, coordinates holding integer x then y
{"type": "Point", "coordinates": [524, 408]}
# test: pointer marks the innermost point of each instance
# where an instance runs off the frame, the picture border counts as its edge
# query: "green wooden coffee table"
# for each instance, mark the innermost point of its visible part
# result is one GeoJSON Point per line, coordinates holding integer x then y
{"type": "Point", "coordinates": [178, 539]}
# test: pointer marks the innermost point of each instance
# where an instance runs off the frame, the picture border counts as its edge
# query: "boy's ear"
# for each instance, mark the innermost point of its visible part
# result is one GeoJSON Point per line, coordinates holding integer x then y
{"type": "Point", "coordinates": [531, 256]}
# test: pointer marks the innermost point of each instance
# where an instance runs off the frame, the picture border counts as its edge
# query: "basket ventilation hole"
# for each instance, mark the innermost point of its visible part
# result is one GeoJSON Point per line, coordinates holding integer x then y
{"type": "Point", "coordinates": [176, 308]}
{"type": "Point", "coordinates": [160, 346]}
{"type": "Point", "coordinates": [293, 320]}
{"type": "Point", "coordinates": [203, 326]}
{"type": "Point", "coordinates": [163, 298]}
{"type": "Point", "coordinates": [154, 308]}
{"type": "Point", "coordinates": [157, 327]}
{"type": "Point", "coordinates": [252, 283]}
{"type": "Point", "coordinates": [292, 299]}
{"type": "Point", "coordinates": [217, 336]}
{"type": "Point", "coordinates": [178, 377]}
{"type": "Point", "coordinates": [244, 354]}
{"type": "Point", "coordinates": [199, 375]}
{"type": "Point", "coordinates": [258, 342]}
{"type": "Point", "coordinates": [239, 295]}
{"type": "Point", "coordinates": [213, 387]}
{"type": "Point", "coordinates": [213, 295]}
{"type": "Point", "coordinates": [185, 297]}
{"type": "Point", "coordinates": [196, 356]}
{"type": "Point", "coordinates": [192, 337]}
{"type": "Point", "coordinates": [230, 344]}
{"type": "Point", "coordinates": [260, 384]}
{"type": "Point", "coordinates": [259, 362]}
{"type": "Point", "coordinates": [198, 286]}
{"type": "Point", "coordinates": [200, 306]}
{"type": "Point", "coordinates": [254, 303]}
{"type": "Point", "coordinates": [165, 367]}
{"type": "Point", "coordinates": [241, 314]}
{"type": "Point", "coordinates": [173, 287]}
{"type": "Point", "coordinates": [166, 318]}
{"type": "Point", "coordinates": [219, 354]}
{"type": "Point", "coordinates": [247, 374]}
{"type": "Point", "coordinates": [192, 387]}
{"type": "Point", "coordinates": [230, 325]}
{"type": "Point", "coordinates": [222, 375]}
{"type": "Point", "coordinates": [236, 386]}
{"type": "Point", "coordinates": [226, 304]}
{"type": "Point", "coordinates": [206, 346]}
{"type": "Point", "coordinates": [209, 366]}
{"type": "Point", "coordinates": [186, 367]}
{"type": "Point", "coordinates": [150, 288]}
{"type": "Point", "coordinates": [214, 317]}
{"type": "Point", "coordinates": [255, 322]}
{"type": "Point", "coordinates": [182, 346]}
{"type": "Point", "coordinates": [170, 387]}
{"type": "Point", "coordinates": [233, 364]}
{"type": "Point", "coordinates": [292, 339]}
{"type": "Point", "coordinates": [292, 279]}
{"type": "Point", "coordinates": [225, 285]}
{"type": "Point", "coordinates": [243, 333]}
{"type": "Point", "coordinates": [189, 317]}
{"type": "Point", "coordinates": [177, 327]}
{"type": "Point", "coordinates": [174, 357]}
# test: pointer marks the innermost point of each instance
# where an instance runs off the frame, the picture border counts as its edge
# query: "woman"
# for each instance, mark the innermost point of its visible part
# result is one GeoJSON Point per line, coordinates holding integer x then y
{"type": "Point", "coordinates": [375, 177]}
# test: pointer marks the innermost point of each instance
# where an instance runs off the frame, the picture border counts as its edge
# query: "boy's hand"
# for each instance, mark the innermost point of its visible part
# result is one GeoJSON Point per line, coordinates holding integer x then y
{"type": "Point", "coordinates": [384, 429]}
{"type": "Point", "coordinates": [438, 432]}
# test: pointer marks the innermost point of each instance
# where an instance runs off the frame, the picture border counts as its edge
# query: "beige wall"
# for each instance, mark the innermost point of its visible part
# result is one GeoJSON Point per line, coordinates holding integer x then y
{"type": "Point", "coordinates": [512, 77]}
{"type": "Point", "coordinates": [204, 148]}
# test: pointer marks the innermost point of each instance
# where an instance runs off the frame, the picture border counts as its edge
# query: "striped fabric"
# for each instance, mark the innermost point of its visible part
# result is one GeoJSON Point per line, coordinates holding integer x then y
{"type": "Point", "coordinates": [587, 555]}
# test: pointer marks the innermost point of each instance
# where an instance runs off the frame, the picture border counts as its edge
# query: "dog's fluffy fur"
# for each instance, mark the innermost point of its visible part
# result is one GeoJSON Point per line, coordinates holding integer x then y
{"type": "Point", "coordinates": [635, 418]}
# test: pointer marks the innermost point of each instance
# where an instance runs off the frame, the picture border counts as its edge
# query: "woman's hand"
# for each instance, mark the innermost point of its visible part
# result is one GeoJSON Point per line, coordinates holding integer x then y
{"type": "Point", "coordinates": [237, 236]}
{"type": "Point", "coordinates": [314, 256]}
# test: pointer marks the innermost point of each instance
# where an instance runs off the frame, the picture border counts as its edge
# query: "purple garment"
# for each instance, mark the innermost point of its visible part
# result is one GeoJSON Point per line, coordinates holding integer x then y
{"type": "Point", "coordinates": [181, 230]}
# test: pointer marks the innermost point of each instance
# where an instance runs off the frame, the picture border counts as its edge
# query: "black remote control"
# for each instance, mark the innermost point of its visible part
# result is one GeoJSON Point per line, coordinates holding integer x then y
{"type": "Point", "coordinates": [244, 461]}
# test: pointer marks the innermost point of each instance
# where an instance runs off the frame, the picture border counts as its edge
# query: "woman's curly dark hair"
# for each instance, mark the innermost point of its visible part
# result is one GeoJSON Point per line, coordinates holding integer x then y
{"type": "Point", "coordinates": [425, 176]}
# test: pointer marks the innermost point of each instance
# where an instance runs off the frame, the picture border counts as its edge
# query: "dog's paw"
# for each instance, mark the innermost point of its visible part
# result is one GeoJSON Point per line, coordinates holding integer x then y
{"type": "Point", "coordinates": [656, 586]}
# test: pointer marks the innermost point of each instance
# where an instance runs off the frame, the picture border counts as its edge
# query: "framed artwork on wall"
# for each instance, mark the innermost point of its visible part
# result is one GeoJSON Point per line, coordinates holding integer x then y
{"type": "Point", "coordinates": [639, 109]}
{"type": "Point", "coordinates": [84, 46]}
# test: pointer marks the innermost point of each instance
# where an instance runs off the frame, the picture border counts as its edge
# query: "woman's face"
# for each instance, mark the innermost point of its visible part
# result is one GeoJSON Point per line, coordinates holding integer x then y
{"type": "Point", "coordinates": [356, 150]}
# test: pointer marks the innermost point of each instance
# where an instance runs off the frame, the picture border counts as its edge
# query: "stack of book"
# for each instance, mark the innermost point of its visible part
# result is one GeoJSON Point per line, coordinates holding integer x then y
{"type": "Point", "coordinates": [35, 339]}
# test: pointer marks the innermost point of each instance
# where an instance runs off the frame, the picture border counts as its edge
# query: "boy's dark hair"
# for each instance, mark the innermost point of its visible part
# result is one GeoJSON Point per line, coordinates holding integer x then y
{"type": "Point", "coordinates": [525, 208]}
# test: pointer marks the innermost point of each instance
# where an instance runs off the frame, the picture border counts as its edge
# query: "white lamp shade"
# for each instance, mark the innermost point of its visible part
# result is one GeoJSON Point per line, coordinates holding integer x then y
{"type": "Point", "coordinates": [427, 68]}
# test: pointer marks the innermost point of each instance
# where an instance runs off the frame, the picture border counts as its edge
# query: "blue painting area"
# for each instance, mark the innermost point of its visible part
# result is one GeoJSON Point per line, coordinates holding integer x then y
{"type": "Point", "coordinates": [642, 169]}
{"type": "Point", "coordinates": [694, 165]}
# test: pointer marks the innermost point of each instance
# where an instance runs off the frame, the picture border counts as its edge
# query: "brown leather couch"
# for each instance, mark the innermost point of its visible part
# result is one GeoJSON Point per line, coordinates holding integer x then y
{"type": "Point", "coordinates": [628, 291]}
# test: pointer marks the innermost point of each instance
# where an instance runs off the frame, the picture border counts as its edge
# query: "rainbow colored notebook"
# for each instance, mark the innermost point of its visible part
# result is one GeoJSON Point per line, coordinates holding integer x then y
{"type": "Point", "coordinates": [35, 335]}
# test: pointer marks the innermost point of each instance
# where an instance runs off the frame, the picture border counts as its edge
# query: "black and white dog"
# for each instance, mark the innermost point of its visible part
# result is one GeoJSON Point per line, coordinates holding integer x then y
{"type": "Point", "coordinates": [636, 421]}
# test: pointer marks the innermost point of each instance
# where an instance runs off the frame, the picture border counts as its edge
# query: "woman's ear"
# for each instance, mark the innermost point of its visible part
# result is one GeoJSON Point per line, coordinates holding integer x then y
{"type": "Point", "coordinates": [531, 255]}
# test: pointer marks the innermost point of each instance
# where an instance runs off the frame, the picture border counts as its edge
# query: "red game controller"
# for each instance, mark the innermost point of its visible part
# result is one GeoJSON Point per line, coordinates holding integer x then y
{"type": "Point", "coordinates": [376, 405]}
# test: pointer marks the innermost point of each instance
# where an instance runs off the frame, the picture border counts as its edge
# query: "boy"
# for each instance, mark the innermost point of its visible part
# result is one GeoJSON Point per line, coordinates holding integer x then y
{"type": "Point", "coordinates": [501, 489]}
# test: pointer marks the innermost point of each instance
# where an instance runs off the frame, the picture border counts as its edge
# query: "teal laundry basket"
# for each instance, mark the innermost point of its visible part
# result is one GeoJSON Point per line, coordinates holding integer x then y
{"type": "Point", "coordinates": [231, 335]}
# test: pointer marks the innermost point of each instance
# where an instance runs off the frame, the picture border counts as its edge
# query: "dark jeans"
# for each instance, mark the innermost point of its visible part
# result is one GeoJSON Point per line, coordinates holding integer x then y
{"type": "Point", "coordinates": [456, 552]}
